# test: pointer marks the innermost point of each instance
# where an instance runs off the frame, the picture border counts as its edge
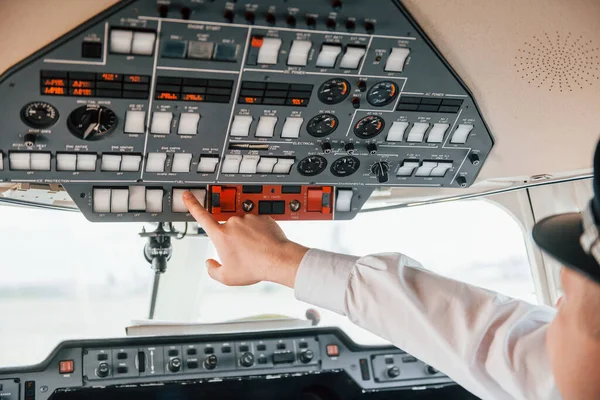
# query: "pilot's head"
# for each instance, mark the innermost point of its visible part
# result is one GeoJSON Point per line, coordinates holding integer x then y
{"type": "Point", "coordinates": [573, 339]}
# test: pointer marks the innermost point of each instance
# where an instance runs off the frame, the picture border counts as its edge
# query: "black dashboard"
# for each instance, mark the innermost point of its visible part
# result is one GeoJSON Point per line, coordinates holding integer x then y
{"type": "Point", "coordinates": [317, 363]}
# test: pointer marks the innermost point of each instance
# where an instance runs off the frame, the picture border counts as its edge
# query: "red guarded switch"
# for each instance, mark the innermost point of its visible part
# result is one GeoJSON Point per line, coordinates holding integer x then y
{"type": "Point", "coordinates": [333, 350]}
{"type": "Point", "coordinates": [66, 367]}
{"type": "Point", "coordinates": [228, 199]}
{"type": "Point", "coordinates": [319, 200]}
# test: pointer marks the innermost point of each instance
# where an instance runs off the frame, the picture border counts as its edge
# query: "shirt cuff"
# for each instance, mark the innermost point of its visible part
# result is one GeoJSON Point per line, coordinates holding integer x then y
{"type": "Point", "coordinates": [322, 279]}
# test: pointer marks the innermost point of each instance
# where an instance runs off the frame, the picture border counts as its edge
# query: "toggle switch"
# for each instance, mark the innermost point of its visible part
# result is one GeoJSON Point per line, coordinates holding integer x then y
{"type": "Point", "coordinates": [269, 51]}
{"type": "Point", "coordinates": [161, 123]}
{"type": "Point", "coordinates": [241, 125]}
{"type": "Point", "coordinates": [328, 55]}
{"type": "Point", "coordinates": [396, 132]}
{"type": "Point", "coordinates": [188, 124]}
{"type": "Point", "coordinates": [135, 122]}
{"type": "Point", "coordinates": [396, 60]}
{"type": "Point", "coordinates": [352, 57]}
{"type": "Point", "coordinates": [266, 126]}
{"type": "Point", "coordinates": [299, 52]}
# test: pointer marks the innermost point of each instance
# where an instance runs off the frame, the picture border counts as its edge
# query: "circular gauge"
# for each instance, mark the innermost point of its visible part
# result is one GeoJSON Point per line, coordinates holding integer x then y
{"type": "Point", "coordinates": [334, 90]}
{"type": "Point", "coordinates": [322, 125]}
{"type": "Point", "coordinates": [345, 166]}
{"type": "Point", "coordinates": [312, 165]}
{"type": "Point", "coordinates": [368, 127]}
{"type": "Point", "coordinates": [39, 115]}
{"type": "Point", "coordinates": [92, 122]}
{"type": "Point", "coordinates": [382, 93]}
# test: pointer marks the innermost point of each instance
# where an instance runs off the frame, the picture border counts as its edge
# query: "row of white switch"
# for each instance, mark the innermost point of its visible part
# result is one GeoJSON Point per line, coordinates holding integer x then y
{"type": "Point", "coordinates": [424, 169]}
{"type": "Point", "coordinates": [135, 122]}
{"type": "Point", "coordinates": [140, 199]}
{"type": "Point", "coordinates": [131, 42]}
{"type": "Point", "coordinates": [266, 126]}
{"type": "Point", "coordinates": [327, 58]}
{"type": "Point", "coordinates": [181, 163]}
{"type": "Point", "coordinates": [29, 161]}
{"type": "Point", "coordinates": [253, 164]}
{"type": "Point", "coordinates": [419, 129]}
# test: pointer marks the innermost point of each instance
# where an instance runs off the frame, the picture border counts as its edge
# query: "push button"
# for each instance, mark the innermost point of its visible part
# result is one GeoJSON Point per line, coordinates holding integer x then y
{"type": "Point", "coordinates": [231, 164]}
{"type": "Point", "coordinates": [86, 162]}
{"type": "Point", "coordinates": [181, 162]}
{"type": "Point", "coordinates": [119, 201]}
{"type": "Point", "coordinates": [226, 52]}
{"type": "Point", "coordinates": [101, 201]}
{"type": "Point", "coordinates": [91, 50]}
{"type": "Point", "coordinates": [208, 164]}
{"type": "Point", "coordinates": [161, 122]}
{"type": "Point", "coordinates": [248, 164]}
{"type": "Point", "coordinates": [441, 169]}
{"type": "Point", "coordinates": [266, 164]}
{"type": "Point", "coordinates": [66, 162]}
{"type": "Point", "coordinates": [283, 166]}
{"type": "Point", "coordinates": [328, 55]}
{"type": "Point", "coordinates": [266, 126]}
{"type": "Point", "coordinates": [40, 161]}
{"type": "Point", "coordinates": [111, 162]}
{"type": "Point", "coordinates": [426, 168]}
{"type": "Point", "coordinates": [174, 49]}
{"type": "Point", "coordinates": [156, 162]}
{"type": "Point", "coordinates": [299, 52]}
{"type": "Point", "coordinates": [120, 41]}
{"type": "Point", "coordinates": [343, 202]}
{"type": "Point", "coordinates": [178, 205]}
{"type": "Point", "coordinates": [396, 60]}
{"type": "Point", "coordinates": [269, 51]}
{"type": "Point", "coordinates": [200, 50]}
{"type": "Point", "coordinates": [333, 350]}
{"type": "Point", "coordinates": [437, 133]}
{"type": "Point", "coordinates": [154, 200]}
{"type": "Point", "coordinates": [291, 127]}
{"type": "Point", "coordinates": [241, 125]}
{"type": "Point", "coordinates": [20, 161]}
{"type": "Point", "coordinates": [188, 124]}
{"type": "Point", "coordinates": [461, 134]}
{"type": "Point", "coordinates": [407, 168]}
{"type": "Point", "coordinates": [66, 367]}
{"type": "Point", "coordinates": [135, 122]}
{"type": "Point", "coordinates": [143, 43]}
{"type": "Point", "coordinates": [137, 198]}
{"type": "Point", "coordinates": [352, 57]}
{"type": "Point", "coordinates": [417, 132]}
{"type": "Point", "coordinates": [131, 162]}
{"type": "Point", "coordinates": [396, 133]}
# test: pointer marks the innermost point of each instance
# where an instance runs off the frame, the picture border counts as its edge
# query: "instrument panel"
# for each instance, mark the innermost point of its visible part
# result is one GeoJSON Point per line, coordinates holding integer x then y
{"type": "Point", "coordinates": [294, 109]}
{"type": "Point", "coordinates": [277, 362]}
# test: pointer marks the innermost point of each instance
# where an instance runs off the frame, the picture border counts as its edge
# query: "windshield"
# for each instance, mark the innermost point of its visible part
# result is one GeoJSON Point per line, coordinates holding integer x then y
{"type": "Point", "coordinates": [63, 277]}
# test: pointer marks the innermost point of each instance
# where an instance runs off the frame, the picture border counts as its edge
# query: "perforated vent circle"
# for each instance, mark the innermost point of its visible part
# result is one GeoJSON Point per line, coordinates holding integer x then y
{"type": "Point", "coordinates": [559, 62]}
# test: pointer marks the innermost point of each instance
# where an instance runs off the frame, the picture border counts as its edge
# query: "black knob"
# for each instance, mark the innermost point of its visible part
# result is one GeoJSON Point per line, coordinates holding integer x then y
{"type": "Point", "coordinates": [331, 24]}
{"type": "Point", "coordinates": [349, 148]}
{"type": "Point", "coordinates": [163, 11]}
{"type": "Point", "coordinates": [393, 372]}
{"type": "Point", "coordinates": [431, 370]}
{"type": "Point", "coordinates": [295, 205]}
{"type": "Point", "coordinates": [362, 85]}
{"type": "Point", "coordinates": [462, 181]}
{"type": "Point", "coordinates": [29, 139]}
{"type": "Point", "coordinates": [247, 360]}
{"type": "Point", "coordinates": [380, 170]}
{"type": "Point", "coordinates": [372, 148]}
{"type": "Point", "coordinates": [326, 146]}
{"type": "Point", "coordinates": [186, 12]}
{"type": "Point", "coordinates": [175, 365]}
{"type": "Point", "coordinates": [271, 19]}
{"type": "Point", "coordinates": [350, 25]}
{"type": "Point", "coordinates": [355, 102]}
{"type": "Point", "coordinates": [291, 21]}
{"type": "Point", "coordinates": [306, 356]}
{"type": "Point", "coordinates": [228, 15]}
{"type": "Point", "coordinates": [336, 5]}
{"type": "Point", "coordinates": [474, 158]}
{"type": "Point", "coordinates": [249, 16]}
{"type": "Point", "coordinates": [369, 27]}
{"type": "Point", "coordinates": [210, 362]}
{"type": "Point", "coordinates": [103, 370]}
{"type": "Point", "coordinates": [311, 22]}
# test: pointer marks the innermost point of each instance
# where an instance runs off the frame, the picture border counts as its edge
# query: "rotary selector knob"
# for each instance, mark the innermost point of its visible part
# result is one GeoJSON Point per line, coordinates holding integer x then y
{"type": "Point", "coordinates": [306, 356]}
{"type": "Point", "coordinates": [175, 365]}
{"type": "Point", "coordinates": [103, 370]}
{"type": "Point", "coordinates": [349, 148]}
{"type": "Point", "coordinates": [393, 372]}
{"type": "Point", "coordinates": [372, 148]}
{"type": "Point", "coordinates": [247, 360]}
{"type": "Point", "coordinates": [380, 169]}
{"type": "Point", "coordinates": [474, 158]}
{"type": "Point", "coordinates": [211, 362]}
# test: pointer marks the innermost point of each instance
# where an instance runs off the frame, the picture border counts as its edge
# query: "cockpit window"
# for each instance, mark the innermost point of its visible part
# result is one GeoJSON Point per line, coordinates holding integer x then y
{"type": "Point", "coordinates": [63, 277]}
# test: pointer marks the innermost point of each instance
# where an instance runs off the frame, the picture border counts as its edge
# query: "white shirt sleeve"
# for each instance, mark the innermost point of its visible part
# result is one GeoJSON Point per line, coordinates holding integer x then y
{"type": "Point", "coordinates": [492, 345]}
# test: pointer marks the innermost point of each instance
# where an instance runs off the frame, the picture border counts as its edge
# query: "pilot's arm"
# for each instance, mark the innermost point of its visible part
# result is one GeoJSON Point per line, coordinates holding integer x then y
{"type": "Point", "coordinates": [492, 345]}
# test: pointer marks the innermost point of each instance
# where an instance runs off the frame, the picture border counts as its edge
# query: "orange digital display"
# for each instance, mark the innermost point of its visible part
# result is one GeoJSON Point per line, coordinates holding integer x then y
{"type": "Point", "coordinates": [298, 102]}
{"type": "Point", "coordinates": [192, 97]}
{"type": "Point", "coordinates": [53, 90]}
{"type": "Point", "coordinates": [167, 96]}
{"type": "Point", "coordinates": [133, 78]}
{"type": "Point", "coordinates": [250, 100]}
{"type": "Point", "coordinates": [54, 82]}
{"type": "Point", "coordinates": [110, 77]}
{"type": "Point", "coordinates": [82, 84]}
{"type": "Point", "coordinates": [82, 92]}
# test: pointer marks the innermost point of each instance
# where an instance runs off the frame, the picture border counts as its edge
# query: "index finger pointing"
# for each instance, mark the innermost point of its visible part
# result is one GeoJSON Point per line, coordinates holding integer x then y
{"type": "Point", "coordinates": [204, 218]}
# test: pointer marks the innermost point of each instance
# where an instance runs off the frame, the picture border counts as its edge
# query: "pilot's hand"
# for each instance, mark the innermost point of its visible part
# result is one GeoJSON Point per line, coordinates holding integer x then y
{"type": "Point", "coordinates": [252, 248]}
